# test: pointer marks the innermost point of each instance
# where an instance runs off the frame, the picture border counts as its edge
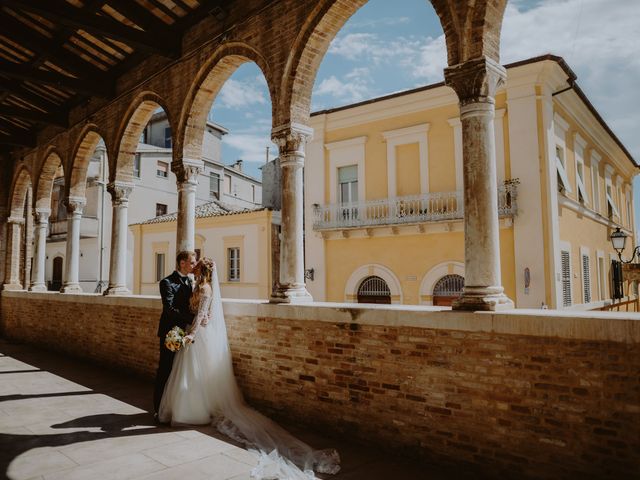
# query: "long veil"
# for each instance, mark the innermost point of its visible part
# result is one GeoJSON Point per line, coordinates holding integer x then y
{"type": "Point", "coordinates": [282, 456]}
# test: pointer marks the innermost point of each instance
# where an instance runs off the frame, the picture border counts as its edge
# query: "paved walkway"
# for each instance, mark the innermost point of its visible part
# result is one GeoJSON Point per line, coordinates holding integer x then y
{"type": "Point", "coordinates": [62, 419]}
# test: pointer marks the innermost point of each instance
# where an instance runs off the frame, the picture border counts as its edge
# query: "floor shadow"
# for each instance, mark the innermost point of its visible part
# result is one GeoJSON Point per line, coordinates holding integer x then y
{"type": "Point", "coordinates": [20, 371]}
{"type": "Point", "coordinates": [112, 426]}
{"type": "Point", "coordinates": [20, 396]}
{"type": "Point", "coordinates": [359, 461]}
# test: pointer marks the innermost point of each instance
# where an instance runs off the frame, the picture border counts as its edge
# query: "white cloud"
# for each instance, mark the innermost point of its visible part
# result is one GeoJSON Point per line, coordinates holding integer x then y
{"type": "Point", "coordinates": [355, 86]}
{"type": "Point", "coordinates": [431, 60]}
{"type": "Point", "coordinates": [378, 22]}
{"type": "Point", "coordinates": [240, 94]}
{"type": "Point", "coordinates": [599, 41]}
{"type": "Point", "coordinates": [250, 147]}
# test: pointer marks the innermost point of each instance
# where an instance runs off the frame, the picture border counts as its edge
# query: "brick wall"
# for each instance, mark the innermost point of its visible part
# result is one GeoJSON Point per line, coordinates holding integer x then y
{"type": "Point", "coordinates": [519, 395]}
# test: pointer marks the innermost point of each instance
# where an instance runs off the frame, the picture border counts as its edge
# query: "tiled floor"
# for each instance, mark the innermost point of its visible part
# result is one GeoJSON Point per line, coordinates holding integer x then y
{"type": "Point", "coordinates": [62, 419]}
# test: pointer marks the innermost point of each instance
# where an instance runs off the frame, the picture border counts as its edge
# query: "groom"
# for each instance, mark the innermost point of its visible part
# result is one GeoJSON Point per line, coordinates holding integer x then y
{"type": "Point", "coordinates": [175, 291]}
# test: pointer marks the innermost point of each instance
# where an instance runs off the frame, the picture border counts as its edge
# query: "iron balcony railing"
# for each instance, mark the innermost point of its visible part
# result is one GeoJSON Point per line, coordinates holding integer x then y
{"type": "Point", "coordinates": [429, 207]}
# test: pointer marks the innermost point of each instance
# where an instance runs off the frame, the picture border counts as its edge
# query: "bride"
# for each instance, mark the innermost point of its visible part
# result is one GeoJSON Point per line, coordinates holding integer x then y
{"type": "Point", "coordinates": [202, 390]}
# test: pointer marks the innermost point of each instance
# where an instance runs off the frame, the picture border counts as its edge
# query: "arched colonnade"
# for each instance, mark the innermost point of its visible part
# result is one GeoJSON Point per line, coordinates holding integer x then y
{"type": "Point", "coordinates": [287, 40]}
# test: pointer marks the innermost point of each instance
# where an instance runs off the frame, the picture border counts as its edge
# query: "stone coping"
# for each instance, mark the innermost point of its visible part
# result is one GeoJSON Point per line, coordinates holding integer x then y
{"type": "Point", "coordinates": [569, 324]}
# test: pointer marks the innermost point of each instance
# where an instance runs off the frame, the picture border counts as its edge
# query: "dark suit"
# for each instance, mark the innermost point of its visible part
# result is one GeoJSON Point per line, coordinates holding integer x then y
{"type": "Point", "coordinates": [175, 291]}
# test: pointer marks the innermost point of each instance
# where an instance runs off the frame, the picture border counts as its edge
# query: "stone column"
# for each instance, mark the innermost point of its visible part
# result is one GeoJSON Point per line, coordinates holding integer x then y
{"type": "Point", "coordinates": [3, 243]}
{"type": "Point", "coordinates": [187, 173]}
{"type": "Point", "coordinates": [14, 237]}
{"type": "Point", "coordinates": [74, 205]}
{"type": "Point", "coordinates": [291, 140]}
{"type": "Point", "coordinates": [475, 82]}
{"type": "Point", "coordinates": [119, 231]}
{"type": "Point", "coordinates": [40, 243]}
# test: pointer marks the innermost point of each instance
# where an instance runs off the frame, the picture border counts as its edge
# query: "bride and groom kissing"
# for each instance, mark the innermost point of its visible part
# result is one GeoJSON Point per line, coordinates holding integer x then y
{"type": "Point", "coordinates": [196, 384]}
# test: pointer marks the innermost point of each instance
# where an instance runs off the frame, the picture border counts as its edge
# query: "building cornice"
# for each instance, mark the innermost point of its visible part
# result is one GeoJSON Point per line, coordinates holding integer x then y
{"type": "Point", "coordinates": [582, 210]}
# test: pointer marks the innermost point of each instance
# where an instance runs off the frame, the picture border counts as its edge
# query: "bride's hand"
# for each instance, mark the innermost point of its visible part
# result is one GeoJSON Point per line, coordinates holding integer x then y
{"type": "Point", "coordinates": [188, 339]}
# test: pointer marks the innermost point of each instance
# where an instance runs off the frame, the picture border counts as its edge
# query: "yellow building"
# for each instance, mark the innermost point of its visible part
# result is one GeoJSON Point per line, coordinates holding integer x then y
{"type": "Point", "coordinates": [383, 195]}
{"type": "Point", "coordinates": [239, 241]}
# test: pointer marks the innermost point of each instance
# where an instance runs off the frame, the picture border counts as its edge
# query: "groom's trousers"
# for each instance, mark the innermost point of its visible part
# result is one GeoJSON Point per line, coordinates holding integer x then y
{"type": "Point", "coordinates": [162, 375]}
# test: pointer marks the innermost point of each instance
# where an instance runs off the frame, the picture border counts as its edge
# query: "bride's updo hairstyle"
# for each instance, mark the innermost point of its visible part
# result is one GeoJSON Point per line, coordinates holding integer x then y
{"type": "Point", "coordinates": [205, 266]}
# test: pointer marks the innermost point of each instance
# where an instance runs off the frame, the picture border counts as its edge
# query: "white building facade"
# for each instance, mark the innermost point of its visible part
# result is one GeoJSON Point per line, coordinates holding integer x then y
{"type": "Point", "coordinates": [154, 194]}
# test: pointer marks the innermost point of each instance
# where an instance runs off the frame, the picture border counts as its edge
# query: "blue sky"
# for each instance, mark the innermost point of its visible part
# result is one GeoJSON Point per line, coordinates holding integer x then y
{"type": "Point", "coordinates": [391, 46]}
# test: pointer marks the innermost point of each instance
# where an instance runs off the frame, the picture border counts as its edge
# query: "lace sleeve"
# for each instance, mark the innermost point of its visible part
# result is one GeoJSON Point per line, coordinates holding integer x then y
{"type": "Point", "coordinates": [203, 311]}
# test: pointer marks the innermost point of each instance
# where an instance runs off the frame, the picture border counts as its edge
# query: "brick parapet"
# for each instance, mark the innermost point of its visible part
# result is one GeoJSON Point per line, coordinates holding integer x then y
{"type": "Point", "coordinates": [522, 394]}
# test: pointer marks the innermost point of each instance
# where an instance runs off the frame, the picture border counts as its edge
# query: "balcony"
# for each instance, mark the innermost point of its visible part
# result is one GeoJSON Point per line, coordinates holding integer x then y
{"type": "Point", "coordinates": [88, 228]}
{"type": "Point", "coordinates": [428, 207]}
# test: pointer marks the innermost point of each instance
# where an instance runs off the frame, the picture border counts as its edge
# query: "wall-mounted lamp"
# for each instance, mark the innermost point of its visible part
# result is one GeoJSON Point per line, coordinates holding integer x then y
{"type": "Point", "coordinates": [308, 274]}
{"type": "Point", "coordinates": [619, 241]}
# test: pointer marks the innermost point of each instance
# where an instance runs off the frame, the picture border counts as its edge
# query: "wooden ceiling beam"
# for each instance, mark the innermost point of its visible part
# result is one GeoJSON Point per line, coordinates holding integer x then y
{"type": "Point", "coordinates": [45, 47]}
{"type": "Point", "coordinates": [10, 135]}
{"type": "Point", "coordinates": [11, 87]}
{"type": "Point", "coordinates": [62, 12]}
{"type": "Point", "coordinates": [26, 72]}
{"type": "Point", "coordinates": [139, 15]}
{"type": "Point", "coordinates": [33, 116]}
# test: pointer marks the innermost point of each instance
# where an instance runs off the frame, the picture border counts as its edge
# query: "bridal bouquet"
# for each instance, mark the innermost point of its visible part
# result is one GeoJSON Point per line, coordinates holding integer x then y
{"type": "Point", "coordinates": [174, 340]}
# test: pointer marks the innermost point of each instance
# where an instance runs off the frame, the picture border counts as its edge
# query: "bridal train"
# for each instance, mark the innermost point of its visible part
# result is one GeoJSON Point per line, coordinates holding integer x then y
{"type": "Point", "coordinates": [202, 390]}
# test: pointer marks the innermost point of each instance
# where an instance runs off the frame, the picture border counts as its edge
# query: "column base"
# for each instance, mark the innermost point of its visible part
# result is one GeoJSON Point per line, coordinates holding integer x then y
{"type": "Point", "coordinates": [38, 287]}
{"type": "Point", "coordinates": [12, 286]}
{"type": "Point", "coordinates": [116, 290]}
{"type": "Point", "coordinates": [71, 288]}
{"type": "Point", "coordinates": [291, 294]}
{"type": "Point", "coordinates": [483, 299]}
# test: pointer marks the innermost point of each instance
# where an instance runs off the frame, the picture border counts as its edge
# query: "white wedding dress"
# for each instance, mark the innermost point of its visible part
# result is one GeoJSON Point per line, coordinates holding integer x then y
{"type": "Point", "coordinates": [202, 390]}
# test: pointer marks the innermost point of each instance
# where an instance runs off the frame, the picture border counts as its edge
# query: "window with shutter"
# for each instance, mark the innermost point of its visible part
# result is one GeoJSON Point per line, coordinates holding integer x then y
{"type": "Point", "coordinates": [586, 278]}
{"type": "Point", "coordinates": [214, 185]}
{"type": "Point", "coordinates": [563, 179]}
{"type": "Point", "coordinates": [566, 278]}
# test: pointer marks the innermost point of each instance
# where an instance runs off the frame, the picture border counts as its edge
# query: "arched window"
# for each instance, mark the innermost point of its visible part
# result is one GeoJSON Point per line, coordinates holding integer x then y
{"type": "Point", "coordinates": [374, 290]}
{"type": "Point", "coordinates": [447, 289]}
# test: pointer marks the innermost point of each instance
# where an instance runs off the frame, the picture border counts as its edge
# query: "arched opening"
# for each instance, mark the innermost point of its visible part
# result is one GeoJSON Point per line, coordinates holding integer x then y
{"type": "Point", "coordinates": [359, 44]}
{"type": "Point", "coordinates": [19, 235]}
{"type": "Point", "coordinates": [49, 215]}
{"type": "Point", "coordinates": [447, 289]}
{"type": "Point", "coordinates": [227, 125]}
{"type": "Point", "coordinates": [142, 182]}
{"type": "Point", "coordinates": [374, 289]}
{"type": "Point", "coordinates": [89, 175]}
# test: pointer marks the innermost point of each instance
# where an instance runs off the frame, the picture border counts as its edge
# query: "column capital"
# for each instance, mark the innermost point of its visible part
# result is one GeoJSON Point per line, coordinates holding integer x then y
{"type": "Point", "coordinates": [291, 136]}
{"type": "Point", "coordinates": [120, 192]}
{"type": "Point", "coordinates": [187, 171]}
{"type": "Point", "coordinates": [15, 220]}
{"type": "Point", "coordinates": [41, 215]}
{"type": "Point", "coordinates": [75, 205]}
{"type": "Point", "coordinates": [291, 139]}
{"type": "Point", "coordinates": [475, 81]}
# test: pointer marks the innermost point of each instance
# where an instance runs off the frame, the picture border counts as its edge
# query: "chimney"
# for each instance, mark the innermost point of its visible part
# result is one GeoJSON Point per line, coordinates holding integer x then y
{"type": "Point", "coordinates": [238, 165]}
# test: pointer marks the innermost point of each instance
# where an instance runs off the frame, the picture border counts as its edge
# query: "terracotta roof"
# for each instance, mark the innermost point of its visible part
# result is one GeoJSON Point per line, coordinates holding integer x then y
{"type": "Point", "coordinates": [212, 209]}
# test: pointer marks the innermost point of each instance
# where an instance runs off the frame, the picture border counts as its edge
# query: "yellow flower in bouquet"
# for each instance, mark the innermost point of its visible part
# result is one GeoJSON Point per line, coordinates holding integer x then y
{"type": "Point", "coordinates": [174, 340]}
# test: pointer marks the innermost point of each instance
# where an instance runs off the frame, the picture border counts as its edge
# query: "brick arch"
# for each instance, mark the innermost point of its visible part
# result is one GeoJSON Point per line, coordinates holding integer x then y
{"type": "Point", "coordinates": [19, 188]}
{"type": "Point", "coordinates": [135, 119]}
{"type": "Point", "coordinates": [83, 150]}
{"type": "Point", "coordinates": [44, 183]}
{"type": "Point", "coordinates": [472, 29]}
{"type": "Point", "coordinates": [204, 90]}
{"type": "Point", "coordinates": [307, 52]}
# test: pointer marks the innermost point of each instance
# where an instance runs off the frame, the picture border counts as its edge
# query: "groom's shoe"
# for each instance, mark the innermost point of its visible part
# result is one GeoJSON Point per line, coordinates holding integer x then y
{"type": "Point", "coordinates": [156, 419]}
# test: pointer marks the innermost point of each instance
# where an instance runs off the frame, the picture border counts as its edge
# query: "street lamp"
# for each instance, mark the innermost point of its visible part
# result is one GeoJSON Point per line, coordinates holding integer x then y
{"type": "Point", "coordinates": [619, 240]}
